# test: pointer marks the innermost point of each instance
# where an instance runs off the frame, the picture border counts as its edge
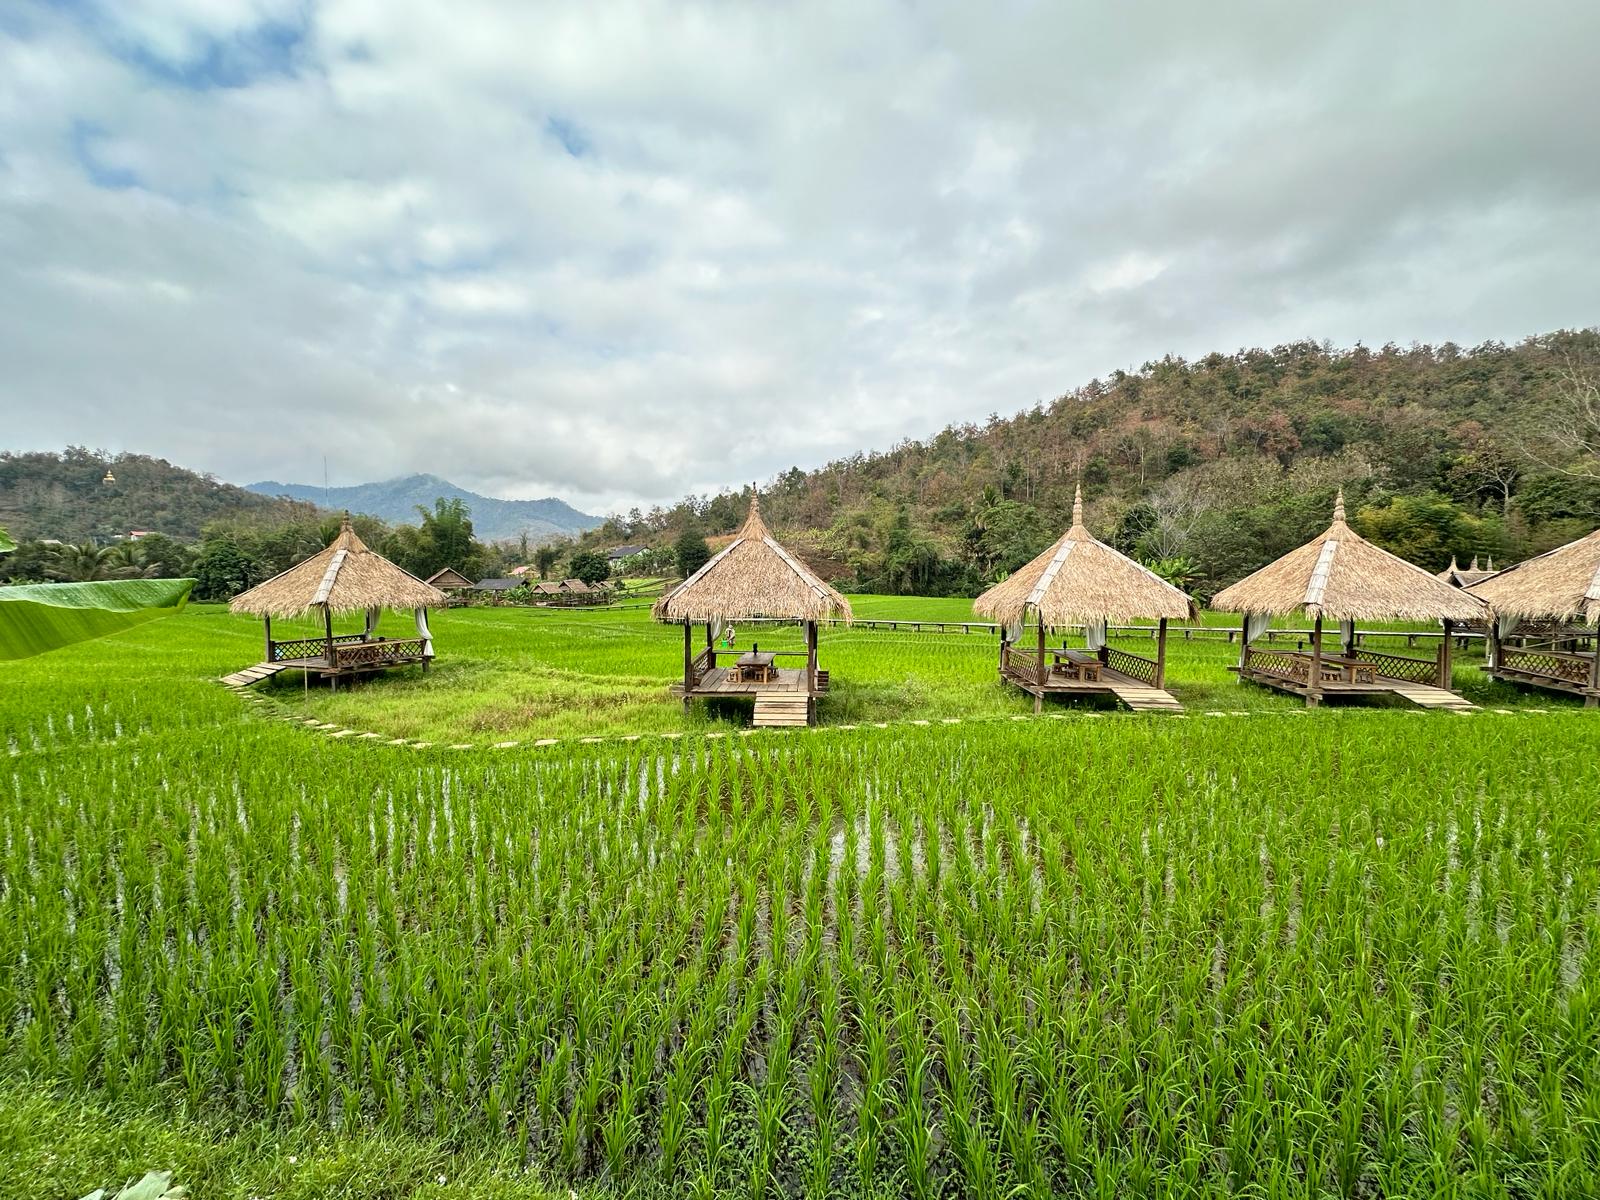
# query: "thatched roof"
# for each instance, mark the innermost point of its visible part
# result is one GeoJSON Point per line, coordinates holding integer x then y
{"type": "Point", "coordinates": [752, 577]}
{"type": "Point", "coordinates": [345, 577]}
{"type": "Point", "coordinates": [449, 578]}
{"type": "Point", "coordinates": [1465, 576]}
{"type": "Point", "coordinates": [1562, 584]}
{"type": "Point", "coordinates": [1341, 576]}
{"type": "Point", "coordinates": [1081, 580]}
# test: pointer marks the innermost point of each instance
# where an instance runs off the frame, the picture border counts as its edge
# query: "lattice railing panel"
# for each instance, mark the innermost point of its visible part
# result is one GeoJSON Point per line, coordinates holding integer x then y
{"type": "Point", "coordinates": [378, 654]}
{"type": "Point", "coordinates": [1395, 666]}
{"type": "Point", "coordinates": [1025, 661]}
{"type": "Point", "coordinates": [1142, 669]}
{"type": "Point", "coordinates": [1569, 668]}
{"type": "Point", "coordinates": [1272, 662]}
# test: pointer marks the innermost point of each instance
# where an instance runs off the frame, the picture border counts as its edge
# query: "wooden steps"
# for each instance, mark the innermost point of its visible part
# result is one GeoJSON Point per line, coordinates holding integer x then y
{"type": "Point", "coordinates": [779, 710]}
{"type": "Point", "coordinates": [253, 674]}
{"type": "Point", "coordinates": [822, 681]}
{"type": "Point", "coordinates": [1426, 696]}
{"type": "Point", "coordinates": [1141, 697]}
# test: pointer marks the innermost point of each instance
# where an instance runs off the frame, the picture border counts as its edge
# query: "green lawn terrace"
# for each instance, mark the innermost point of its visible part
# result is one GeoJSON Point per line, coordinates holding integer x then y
{"type": "Point", "coordinates": [521, 674]}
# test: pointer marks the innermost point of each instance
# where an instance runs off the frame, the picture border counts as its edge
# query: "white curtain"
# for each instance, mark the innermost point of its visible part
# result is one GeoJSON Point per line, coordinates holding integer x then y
{"type": "Point", "coordinates": [1347, 636]}
{"type": "Point", "coordinates": [1014, 631]}
{"type": "Point", "coordinates": [423, 633]}
{"type": "Point", "coordinates": [1255, 624]}
{"type": "Point", "coordinates": [1503, 627]}
{"type": "Point", "coordinates": [372, 623]}
{"type": "Point", "coordinates": [1094, 635]}
{"type": "Point", "coordinates": [716, 630]}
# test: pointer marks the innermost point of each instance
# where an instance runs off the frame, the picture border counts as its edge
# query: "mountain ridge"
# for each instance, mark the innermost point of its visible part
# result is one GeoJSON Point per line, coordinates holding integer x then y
{"type": "Point", "coordinates": [396, 500]}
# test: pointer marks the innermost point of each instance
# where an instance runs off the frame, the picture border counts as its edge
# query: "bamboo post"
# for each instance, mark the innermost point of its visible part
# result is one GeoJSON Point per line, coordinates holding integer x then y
{"type": "Point", "coordinates": [1592, 700]}
{"type": "Point", "coordinates": [688, 660]}
{"type": "Point", "coordinates": [1314, 685]}
{"type": "Point", "coordinates": [1445, 649]}
{"type": "Point", "coordinates": [1161, 653]}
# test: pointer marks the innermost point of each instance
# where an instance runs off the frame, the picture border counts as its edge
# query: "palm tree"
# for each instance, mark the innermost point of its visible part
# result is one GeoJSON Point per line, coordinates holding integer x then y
{"type": "Point", "coordinates": [89, 561]}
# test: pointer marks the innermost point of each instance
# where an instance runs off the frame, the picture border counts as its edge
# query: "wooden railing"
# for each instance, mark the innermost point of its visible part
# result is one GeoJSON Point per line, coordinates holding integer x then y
{"type": "Point", "coordinates": [377, 653]}
{"type": "Point", "coordinates": [1568, 668]}
{"type": "Point", "coordinates": [1394, 666]}
{"type": "Point", "coordinates": [309, 647]}
{"type": "Point", "coordinates": [1023, 662]}
{"type": "Point", "coordinates": [1276, 662]}
{"type": "Point", "coordinates": [1142, 669]}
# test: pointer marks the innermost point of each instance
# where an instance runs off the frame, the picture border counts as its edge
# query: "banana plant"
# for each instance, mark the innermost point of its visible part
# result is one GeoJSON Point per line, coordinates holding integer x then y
{"type": "Point", "coordinates": [36, 617]}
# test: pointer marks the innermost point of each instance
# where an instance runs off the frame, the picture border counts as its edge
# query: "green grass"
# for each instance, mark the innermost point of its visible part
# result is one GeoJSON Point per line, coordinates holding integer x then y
{"type": "Point", "coordinates": [56, 1144]}
{"type": "Point", "coordinates": [1353, 952]}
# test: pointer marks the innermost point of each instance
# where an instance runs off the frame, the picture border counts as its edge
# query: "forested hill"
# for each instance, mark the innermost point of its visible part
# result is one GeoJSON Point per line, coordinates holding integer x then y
{"type": "Point", "coordinates": [68, 497]}
{"type": "Point", "coordinates": [1222, 463]}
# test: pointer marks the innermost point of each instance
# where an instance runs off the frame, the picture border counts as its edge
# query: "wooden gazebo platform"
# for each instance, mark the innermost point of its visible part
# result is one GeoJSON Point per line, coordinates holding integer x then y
{"type": "Point", "coordinates": [1342, 577]}
{"type": "Point", "coordinates": [1551, 605]}
{"type": "Point", "coordinates": [753, 576]}
{"type": "Point", "coordinates": [1126, 677]}
{"type": "Point", "coordinates": [1082, 581]}
{"type": "Point", "coordinates": [346, 577]}
{"type": "Point", "coordinates": [1361, 672]}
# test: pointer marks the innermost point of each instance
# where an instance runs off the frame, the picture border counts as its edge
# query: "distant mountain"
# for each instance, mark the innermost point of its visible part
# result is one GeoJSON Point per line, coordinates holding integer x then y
{"type": "Point", "coordinates": [396, 500]}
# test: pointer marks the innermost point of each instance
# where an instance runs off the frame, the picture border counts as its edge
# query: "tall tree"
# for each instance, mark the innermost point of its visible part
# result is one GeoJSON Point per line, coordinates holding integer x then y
{"type": "Point", "coordinates": [690, 552]}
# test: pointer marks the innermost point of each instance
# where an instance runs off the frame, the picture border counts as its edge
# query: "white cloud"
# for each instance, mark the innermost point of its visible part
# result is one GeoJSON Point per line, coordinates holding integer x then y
{"type": "Point", "coordinates": [624, 251]}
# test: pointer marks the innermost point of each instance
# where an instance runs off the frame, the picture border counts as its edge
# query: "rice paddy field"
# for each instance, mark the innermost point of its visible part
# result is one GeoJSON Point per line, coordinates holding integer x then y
{"type": "Point", "coordinates": [1354, 952]}
{"type": "Point", "coordinates": [522, 674]}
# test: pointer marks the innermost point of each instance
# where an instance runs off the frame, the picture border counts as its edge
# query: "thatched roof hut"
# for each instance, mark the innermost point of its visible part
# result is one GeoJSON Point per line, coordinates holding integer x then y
{"type": "Point", "coordinates": [346, 577]}
{"type": "Point", "coordinates": [1082, 581]}
{"type": "Point", "coordinates": [752, 576]}
{"type": "Point", "coordinates": [1561, 584]}
{"type": "Point", "coordinates": [1340, 576]}
{"type": "Point", "coordinates": [448, 579]}
{"type": "Point", "coordinates": [1462, 577]}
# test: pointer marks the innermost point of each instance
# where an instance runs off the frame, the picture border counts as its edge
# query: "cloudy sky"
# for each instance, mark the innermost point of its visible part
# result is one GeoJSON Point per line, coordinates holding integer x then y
{"type": "Point", "coordinates": [619, 252]}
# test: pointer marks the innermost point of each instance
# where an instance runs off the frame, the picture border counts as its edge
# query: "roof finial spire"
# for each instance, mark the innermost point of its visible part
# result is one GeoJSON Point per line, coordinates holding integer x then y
{"type": "Point", "coordinates": [1338, 506]}
{"type": "Point", "coordinates": [1474, 565]}
{"type": "Point", "coordinates": [1491, 562]}
{"type": "Point", "coordinates": [344, 521]}
{"type": "Point", "coordinates": [1077, 504]}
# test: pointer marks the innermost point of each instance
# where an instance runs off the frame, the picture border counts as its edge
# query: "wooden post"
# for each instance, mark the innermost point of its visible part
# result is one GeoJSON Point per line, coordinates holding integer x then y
{"type": "Point", "coordinates": [267, 621]}
{"type": "Point", "coordinates": [327, 625]}
{"type": "Point", "coordinates": [1444, 657]}
{"type": "Point", "coordinates": [688, 660]}
{"type": "Point", "coordinates": [1043, 672]}
{"type": "Point", "coordinates": [1592, 700]}
{"type": "Point", "coordinates": [1314, 684]}
{"type": "Point", "coordinates": [1495, 649]}
{"type": "Point", "coordinates": [811, 657]}
{"type": "Point", "coordinates": [711, 658]}
{"type": "Point", "coordinates": [1161, 653]}
{"type": "Point", "coordinates": [1244, 646]}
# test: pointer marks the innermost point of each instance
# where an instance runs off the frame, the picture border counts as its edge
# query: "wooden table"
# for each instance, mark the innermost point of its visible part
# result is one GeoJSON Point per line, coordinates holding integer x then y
{"type": "Point", "coordinates": [755, 666]}
{"type": "Point", "coordinates": [1075, 664]}
{"type": "Point", "coordinates": [1348, 670]}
